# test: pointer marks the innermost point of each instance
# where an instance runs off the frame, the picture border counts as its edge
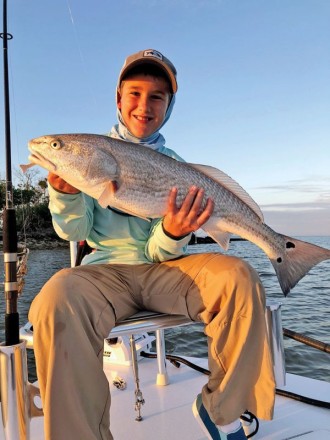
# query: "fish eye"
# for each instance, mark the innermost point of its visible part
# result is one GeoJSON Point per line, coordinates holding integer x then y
{"type": "Point", "coordinates": [56, 144]}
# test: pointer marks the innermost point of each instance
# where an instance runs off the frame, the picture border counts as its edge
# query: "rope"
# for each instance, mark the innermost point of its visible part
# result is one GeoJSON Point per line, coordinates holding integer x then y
{"type": "Point", "coordinates": [176, 361]}
{"type": "Point", "coordinates": [249, 417]}
{"type": "Point", "coordinates": [304, 399]}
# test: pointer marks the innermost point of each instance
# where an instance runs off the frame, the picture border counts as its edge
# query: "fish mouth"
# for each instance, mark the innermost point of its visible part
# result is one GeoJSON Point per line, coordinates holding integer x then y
{"type": "Point", "coordinates": [39, 159]}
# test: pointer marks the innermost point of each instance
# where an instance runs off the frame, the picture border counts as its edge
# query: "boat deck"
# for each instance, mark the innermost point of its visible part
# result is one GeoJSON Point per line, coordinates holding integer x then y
{"type": "Point", "coordinates": [167, 410]}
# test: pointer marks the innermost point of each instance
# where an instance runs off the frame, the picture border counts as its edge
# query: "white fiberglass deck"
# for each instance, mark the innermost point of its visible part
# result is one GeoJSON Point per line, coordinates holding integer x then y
{"type": "Point", "coordinates": [167, 411]}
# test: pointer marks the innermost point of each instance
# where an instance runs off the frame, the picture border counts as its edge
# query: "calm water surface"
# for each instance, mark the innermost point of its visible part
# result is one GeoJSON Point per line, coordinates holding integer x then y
{"type": "Point", "coordinates": [306, 310]}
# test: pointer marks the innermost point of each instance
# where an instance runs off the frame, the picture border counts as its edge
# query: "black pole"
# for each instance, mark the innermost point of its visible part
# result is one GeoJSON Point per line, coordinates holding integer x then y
{"type": "Point", "coordinates": [9, 215]}
{"type": "Point", "coordinates": [323, 346]}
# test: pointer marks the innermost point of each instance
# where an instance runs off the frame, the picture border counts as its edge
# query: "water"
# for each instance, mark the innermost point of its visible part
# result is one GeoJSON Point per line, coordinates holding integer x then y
{"type": "Point", "coordinates": [306, 310]}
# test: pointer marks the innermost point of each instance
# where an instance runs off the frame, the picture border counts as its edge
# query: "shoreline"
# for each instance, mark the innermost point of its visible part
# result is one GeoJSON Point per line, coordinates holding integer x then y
{"type": "Point", "coordinates": [49, 240]}
{"type": "Point", "coordinates": [39, 241]}
{"type": "Point", "coordinates": [45, 243]}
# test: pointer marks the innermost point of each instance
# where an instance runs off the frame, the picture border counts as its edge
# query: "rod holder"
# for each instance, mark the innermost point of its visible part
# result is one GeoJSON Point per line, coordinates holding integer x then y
{"type": "Point", "coordinates": [275, 334]}
{"type": "Point", "coordinates": [16, 393]}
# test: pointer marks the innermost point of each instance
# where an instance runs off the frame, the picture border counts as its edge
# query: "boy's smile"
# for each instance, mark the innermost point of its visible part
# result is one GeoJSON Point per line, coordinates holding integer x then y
{"type": "Point", "coordinates": [143, 101]}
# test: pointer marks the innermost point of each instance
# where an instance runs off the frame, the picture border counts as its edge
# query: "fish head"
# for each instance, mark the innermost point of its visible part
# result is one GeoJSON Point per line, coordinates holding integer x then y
{"type": "Point", "coordinates": [82, 160]}
{"type": "Point", "coordinates": [42, 152]}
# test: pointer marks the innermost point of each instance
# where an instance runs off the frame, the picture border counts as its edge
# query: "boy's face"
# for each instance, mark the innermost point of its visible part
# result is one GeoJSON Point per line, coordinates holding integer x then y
{"type": "Point", "coordinates": [143, 101]}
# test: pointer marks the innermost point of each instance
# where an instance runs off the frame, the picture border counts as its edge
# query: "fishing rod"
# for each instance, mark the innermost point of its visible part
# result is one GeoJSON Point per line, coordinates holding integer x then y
{"type": "Point", "coordinates": [16, 393]}
{"type": "Point", "coordinates": [9, 215]}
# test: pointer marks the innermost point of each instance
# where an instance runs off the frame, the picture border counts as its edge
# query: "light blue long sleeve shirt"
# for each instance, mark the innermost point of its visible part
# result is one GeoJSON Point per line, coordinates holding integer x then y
{"type": "Point", "coordinates": [114, 236]}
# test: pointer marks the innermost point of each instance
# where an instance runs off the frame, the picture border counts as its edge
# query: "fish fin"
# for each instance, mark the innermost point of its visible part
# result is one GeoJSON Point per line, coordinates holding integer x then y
{"type": "Point", "coordinates": [106, 199]}
{"type": "Point", "coordinates": [297, 259]}
{"type": "Point", "coordinates": [107, 195]}
{"type": "Point", "coordinates": [218, 235]}
{"type": "Point", "coordinates": [229, 183]}
{"type": "Point", "coordinates": [25, 167]}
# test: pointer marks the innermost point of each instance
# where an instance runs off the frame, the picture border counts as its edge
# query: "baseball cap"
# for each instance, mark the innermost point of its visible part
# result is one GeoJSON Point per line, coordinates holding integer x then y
{"type": "Point", "coordinates": [150, 56]}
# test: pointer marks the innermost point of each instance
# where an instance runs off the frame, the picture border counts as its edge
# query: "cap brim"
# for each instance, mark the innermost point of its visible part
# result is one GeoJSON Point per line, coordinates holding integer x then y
{"type": "Point", "coordinates": [161, 65]}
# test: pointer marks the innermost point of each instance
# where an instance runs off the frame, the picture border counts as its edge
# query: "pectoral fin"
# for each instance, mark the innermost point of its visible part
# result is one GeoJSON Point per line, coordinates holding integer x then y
{"type": "Point", "coordinates": [107, 199]}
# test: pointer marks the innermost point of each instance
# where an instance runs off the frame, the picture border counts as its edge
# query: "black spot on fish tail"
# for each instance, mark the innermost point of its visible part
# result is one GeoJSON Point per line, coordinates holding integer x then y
{"type": "Point", "coordinates": [279, 260]}
{"type": "Point", "coordinates": [289, 245]}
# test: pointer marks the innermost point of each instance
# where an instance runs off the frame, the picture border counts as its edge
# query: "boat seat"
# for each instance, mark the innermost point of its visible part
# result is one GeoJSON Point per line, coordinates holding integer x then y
{"type": "Point", "coordinates": [146, 321]}
{"type": "Point", "coordinates": [139, 323]}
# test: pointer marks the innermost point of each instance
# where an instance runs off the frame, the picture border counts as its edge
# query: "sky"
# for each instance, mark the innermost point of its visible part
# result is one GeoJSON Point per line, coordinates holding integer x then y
{"type": "Point", "coordinates": [253, 98]}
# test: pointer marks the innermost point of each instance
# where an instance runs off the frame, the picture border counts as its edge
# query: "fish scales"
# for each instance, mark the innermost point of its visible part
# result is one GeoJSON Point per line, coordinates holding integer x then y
{"type": "Point", "coordinates": [148, 179]}
{"type": "Point", "coordinates": [137, 180]}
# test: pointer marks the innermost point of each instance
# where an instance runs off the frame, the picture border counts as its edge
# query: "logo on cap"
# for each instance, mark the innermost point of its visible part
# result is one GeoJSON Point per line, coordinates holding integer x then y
{"type": "Point", "coordinates": [153, 53]}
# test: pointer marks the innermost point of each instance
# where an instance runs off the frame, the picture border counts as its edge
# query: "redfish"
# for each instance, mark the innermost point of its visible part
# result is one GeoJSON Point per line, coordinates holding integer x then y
{"type": "Point", "coordinates": [137, 181]}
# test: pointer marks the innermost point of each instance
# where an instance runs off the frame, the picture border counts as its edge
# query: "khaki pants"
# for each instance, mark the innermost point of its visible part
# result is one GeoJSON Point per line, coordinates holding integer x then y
{"type": "Point", "coordinates": [77, 308]}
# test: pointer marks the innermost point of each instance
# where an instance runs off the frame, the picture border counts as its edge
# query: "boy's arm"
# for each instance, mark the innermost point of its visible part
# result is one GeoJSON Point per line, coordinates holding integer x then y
{"type": "Point", "coordinates": [72, 214]}
{"type": "Point", "coordinates": [160, 247]}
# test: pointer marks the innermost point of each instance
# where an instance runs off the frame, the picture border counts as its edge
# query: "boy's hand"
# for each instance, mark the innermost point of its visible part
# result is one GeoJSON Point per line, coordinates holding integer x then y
{"type": "Point", "coordinates": [190, 216]}
{"type": "Point", "coordinates": [61, 185]}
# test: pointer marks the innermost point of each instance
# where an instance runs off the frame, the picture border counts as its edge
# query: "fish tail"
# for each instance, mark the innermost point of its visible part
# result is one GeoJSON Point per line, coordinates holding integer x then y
{"type": "Point", "coordinates": [297, 259]}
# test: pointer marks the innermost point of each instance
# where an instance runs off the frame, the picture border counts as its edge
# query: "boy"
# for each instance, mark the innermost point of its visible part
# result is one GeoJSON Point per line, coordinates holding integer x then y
{"type": "Point", "coordinates": [77, 307]}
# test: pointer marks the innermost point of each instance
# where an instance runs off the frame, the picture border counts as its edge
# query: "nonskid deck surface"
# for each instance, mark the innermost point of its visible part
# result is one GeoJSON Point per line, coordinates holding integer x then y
{"type": "Point", "coordinates": [167, 410]}
{"type": "Point", "coordinates": [167, 413]}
